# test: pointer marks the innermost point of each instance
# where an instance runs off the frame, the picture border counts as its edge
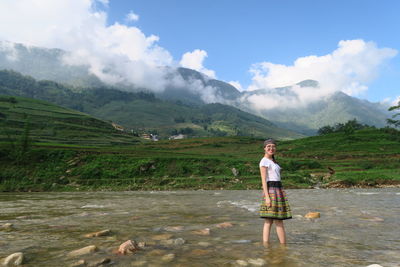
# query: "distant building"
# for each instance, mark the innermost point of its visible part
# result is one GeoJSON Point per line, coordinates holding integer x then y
{"type": "Point", "coordinates": [175, 137]}
{"type": "Point", "coordinates": [146, 136]}
{"type": "Point", "coordinates": [154, 137]}
{"type": "Point", "coordinates": [117, 127]}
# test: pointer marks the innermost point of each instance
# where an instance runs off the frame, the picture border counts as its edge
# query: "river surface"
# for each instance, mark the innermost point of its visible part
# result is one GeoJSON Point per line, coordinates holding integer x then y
{"type": "Point", "coordinates": [358, 227]}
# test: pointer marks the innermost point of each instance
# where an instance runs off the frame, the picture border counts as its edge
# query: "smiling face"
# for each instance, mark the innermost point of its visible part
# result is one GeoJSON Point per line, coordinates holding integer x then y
{"type": "Point", "coordinates": [270, 149]}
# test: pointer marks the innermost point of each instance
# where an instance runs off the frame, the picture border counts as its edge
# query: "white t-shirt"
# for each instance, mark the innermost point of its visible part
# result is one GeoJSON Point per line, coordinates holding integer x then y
{"type": "Point", "coordinates": [274, 170]}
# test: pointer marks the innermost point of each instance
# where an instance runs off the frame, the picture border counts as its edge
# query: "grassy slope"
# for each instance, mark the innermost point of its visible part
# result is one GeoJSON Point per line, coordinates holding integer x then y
{"type": "Point", "coordinates": [50, 123]}
{"type": "Point", "coordinates": [366, 158]}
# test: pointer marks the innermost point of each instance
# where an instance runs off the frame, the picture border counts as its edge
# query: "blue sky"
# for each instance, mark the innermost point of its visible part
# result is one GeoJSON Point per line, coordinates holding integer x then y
{"type": "Point", "coordinates": [237, 34]}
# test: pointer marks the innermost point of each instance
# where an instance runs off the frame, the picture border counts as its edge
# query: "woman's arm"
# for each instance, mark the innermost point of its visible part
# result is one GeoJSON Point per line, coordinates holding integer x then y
{"type": "Point", "coordinates": [264, 173]}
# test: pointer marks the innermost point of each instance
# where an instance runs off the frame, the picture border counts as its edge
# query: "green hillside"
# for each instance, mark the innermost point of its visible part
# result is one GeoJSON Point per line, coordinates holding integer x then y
{"type": "Point", "coordinates": [142, 112]}
{"type": "Point", "coordinates": [368, 157]}
{"type": "Point", "coordinates": [42, 122]}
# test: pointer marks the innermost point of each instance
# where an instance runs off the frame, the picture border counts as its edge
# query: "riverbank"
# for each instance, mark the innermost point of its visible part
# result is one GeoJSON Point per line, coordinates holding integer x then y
{"type": "Point", "coordinates": [367, 158]}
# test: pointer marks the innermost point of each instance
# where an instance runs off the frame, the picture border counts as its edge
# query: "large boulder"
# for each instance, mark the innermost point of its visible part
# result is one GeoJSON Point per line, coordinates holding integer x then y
{"type": "Point", "coordinates": [128, 247]}
{"type": "Point", "coordinates": [83, 251]}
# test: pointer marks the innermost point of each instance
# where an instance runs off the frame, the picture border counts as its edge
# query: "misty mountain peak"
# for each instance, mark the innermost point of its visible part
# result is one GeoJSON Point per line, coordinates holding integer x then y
{"type": "Point", "coordinates": [308, 83]}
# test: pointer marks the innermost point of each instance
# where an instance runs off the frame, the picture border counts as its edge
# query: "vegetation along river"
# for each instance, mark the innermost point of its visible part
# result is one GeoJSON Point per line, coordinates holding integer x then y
{"type": "Point", "coordinates": [357, 227]}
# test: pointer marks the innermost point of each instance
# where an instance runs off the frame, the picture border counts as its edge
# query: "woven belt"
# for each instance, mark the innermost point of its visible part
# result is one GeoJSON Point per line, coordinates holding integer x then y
{"type": "Point", "coordinates": [274, 183]}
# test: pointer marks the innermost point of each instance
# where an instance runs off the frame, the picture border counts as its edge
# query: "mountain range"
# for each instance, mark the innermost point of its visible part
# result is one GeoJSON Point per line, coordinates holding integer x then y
{"type": "Point", "coordinates": [142, 112]}
{"type": "Point", "coordinates": [47, 64]}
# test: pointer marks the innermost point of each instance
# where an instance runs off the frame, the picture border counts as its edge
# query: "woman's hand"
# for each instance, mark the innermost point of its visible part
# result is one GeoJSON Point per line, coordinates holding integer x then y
{"type": "Point", "coordinates": [267, 201]}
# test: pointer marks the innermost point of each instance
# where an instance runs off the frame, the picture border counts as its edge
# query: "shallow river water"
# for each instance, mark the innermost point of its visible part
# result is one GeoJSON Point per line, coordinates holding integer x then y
{"type": "Point", "coordinates": [358, 227]}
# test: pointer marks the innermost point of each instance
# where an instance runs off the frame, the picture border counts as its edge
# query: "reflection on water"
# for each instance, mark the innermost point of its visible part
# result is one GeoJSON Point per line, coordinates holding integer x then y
{"type": "Point", "coordinates": [358, 227]}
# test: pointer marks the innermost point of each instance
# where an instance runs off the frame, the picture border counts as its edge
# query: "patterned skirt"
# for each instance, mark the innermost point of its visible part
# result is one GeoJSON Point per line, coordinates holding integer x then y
{"type": "Point", "coordinates": [279, 209]}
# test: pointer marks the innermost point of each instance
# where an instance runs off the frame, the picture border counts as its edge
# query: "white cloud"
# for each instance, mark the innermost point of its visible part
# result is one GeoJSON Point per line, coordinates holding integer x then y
{"type": "Point", "coordinates": [131, 16]}
{"type": "Point", "coordinates": [236, 84]}
{"type": "Point", "coordinates": [115, 53]}
{"type": "Point", "coordinates": [349, 68]}
{"type": "Point", "coordinates": [194, 60]}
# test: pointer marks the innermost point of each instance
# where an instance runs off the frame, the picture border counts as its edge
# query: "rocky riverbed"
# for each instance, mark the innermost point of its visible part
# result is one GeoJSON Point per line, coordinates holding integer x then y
{"type": "Point", "coordinates": [346, 227]}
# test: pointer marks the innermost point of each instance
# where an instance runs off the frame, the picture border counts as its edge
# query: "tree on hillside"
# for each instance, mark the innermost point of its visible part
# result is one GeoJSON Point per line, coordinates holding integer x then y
{"type": "Point", "coordinates": [392, 121]}
{"type": "Point", "coordinates": [348, 128]}
{"type": "Point", "coordinates": [326, 130]}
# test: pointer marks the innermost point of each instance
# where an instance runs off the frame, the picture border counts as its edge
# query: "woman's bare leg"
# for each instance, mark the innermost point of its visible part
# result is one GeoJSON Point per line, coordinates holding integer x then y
{"type": "Point", "coordinates": [280, 230]}
{"type": "Point", "coordinates": [266, 230]}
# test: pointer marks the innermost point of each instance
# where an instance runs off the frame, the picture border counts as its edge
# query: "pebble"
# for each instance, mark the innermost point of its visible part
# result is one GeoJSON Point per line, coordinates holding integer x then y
{"type": "Point", "coordinates": [257, 262]}
{"type": "Point", "coordinates": [204, 244]}
{"type": "Point", "coordinates": [99, 262]}
{"type": "Point", "coordinates": [83, 251]}
{"type": "Point", "coordinates": [7, 226]}
{"type": "Point", "coordinates": [241, 263]}
{"type": "Point", "coordinates": [80, 263]}
{"type": "Point", "coordinates": [312, 215]}
{"type": "Point", "coordinates": [174, 228]}
{"type": "Point", "coordinates": [139, 263]}
{"type": "Point", "coordinates": [205, 231]}
{"type": "Point", "coordinates": [224, 225]}
{"type": "Point", "coordinates": [241, 241]}
{"type": "Point", "coordinates": [373, 219]}
{"type": "Point", "coordinates": [168, 258]}
{"type": "Point", "coordinates": [179, 241]}
{"type": "Point", "coordinates": [14, 259]}
{"type": "Point", "coordinates": [100, 233]}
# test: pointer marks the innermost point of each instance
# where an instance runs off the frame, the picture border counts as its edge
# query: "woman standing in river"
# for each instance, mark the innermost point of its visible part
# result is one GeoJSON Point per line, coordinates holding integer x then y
{"type": "Point", "coordinates": [275, 206]}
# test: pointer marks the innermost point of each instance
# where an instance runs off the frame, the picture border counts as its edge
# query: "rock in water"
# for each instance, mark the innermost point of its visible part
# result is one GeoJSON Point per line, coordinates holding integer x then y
{"type": "Point", "coordinates": [224, 225]}
{"type": "Point", "coordinates": [83, 251]}
{"type": "Point", "coordinates": [312, 215]}
{"type": "Point", "coordinates": [174, 228]}
{"type": "Point", "coordinates": [128, 246]}
{"type": "Point", "coordinates": [80, 263]}
{"type": "Point", "coordinates": [7, 226]}
{"type": "Point", "coordinates": [205, 231]}
{"type": "Point", "coordinates": [257, 262]}
{"type": "Point", "coordinates": [168, 257]}
{"type": "Point", "coordinates": [14, 259]}
{"type": "Point", "coordinates": [100, 233]}
{"type": "Point", "coordinates": [100, 262]}
{"type": "Point", "coordinates": [241, 263]}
